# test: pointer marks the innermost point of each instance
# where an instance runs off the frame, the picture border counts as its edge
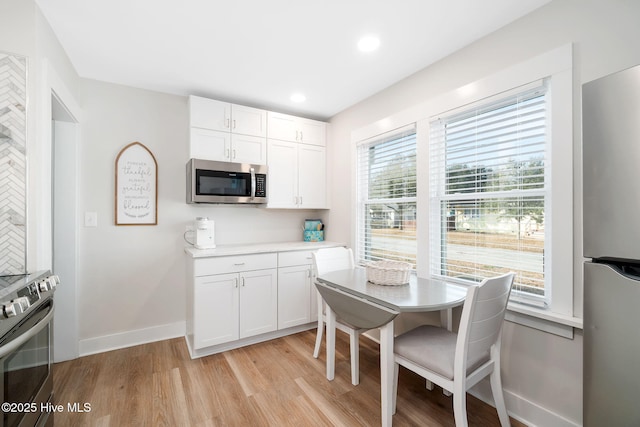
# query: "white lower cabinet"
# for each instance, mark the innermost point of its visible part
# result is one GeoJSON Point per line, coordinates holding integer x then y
{"type": "Point", "coordinates": [238, 303]}
{"type": "Point", "coordinates": [232, 306]}
{"type": "Point", "coordinates": [216, 310]}
{"type": "Point", "coordinates": [242, 299]}
{"type": "Point", "coordinates": [258, 302]}
{"type": "Point", "coordinates": [294, 288]}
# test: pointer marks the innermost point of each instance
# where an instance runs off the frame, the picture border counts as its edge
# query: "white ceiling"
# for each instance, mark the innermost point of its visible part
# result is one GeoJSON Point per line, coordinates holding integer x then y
{"type": "Point", "coordinates": [259, 52]}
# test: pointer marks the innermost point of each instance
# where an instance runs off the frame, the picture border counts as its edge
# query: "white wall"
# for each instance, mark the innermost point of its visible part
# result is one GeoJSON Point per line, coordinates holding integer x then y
{"type": "Point", "coordinates": [542, 373]}
{"type": "Point", "coordinates": [132, 280]}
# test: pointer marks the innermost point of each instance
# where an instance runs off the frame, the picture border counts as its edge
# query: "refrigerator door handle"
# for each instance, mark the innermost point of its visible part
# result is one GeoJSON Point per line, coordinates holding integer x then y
{"type": "Point", "coordinates": [628, 270]}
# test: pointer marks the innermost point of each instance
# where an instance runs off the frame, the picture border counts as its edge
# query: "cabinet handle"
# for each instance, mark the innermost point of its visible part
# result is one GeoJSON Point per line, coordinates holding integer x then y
{"type": "Point", "coordinates": [239, 263]}
{"type": "Point", "coordinates": [234, 123]}
{"type": "Point", "coordinates": [235, 283]}
{"type": "Point", "coordinates": [226, 153]}
{"type": "Point", "coordinates": [301, 137]}
{"type": "Point", "coordinates": [300, 198]}
{"type": "Point", "coordinates": [297, 140]}
{"type": "Point", "coordinates": [234, 153]}
{"type": "Point", "coordinates": [242, 281]}
{"type": "Point", "coordinates": [226, 123]}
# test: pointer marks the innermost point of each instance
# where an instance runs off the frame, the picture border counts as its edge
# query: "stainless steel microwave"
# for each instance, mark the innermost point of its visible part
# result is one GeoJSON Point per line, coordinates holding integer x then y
{"type": "Point", "coordinates": [225, 182]}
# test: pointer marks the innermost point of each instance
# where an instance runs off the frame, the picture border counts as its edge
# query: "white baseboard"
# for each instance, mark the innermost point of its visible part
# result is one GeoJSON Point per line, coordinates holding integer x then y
{"type": "Point", "coordinates": [131, 338]}
{"type": "Point", "coordinates": [522, 409]}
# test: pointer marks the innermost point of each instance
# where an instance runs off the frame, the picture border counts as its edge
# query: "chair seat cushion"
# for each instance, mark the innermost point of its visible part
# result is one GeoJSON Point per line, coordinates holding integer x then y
{"type": "Point", "coordinates": [433, 348]}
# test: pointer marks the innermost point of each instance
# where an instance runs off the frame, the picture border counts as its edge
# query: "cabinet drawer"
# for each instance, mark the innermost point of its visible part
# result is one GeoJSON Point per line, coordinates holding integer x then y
{"type": "Point", "coordinates": [235, 263]}
{"type": "Point", "coordinates": [286, 259]}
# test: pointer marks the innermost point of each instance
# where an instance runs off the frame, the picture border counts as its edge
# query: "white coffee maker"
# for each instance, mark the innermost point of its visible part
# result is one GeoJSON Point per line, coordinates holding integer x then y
{"type": "Point", "coordinates": [205, 233]}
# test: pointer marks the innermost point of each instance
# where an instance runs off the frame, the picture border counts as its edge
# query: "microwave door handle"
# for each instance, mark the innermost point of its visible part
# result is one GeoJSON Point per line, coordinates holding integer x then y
{"type": "Point", "coordinates": [253, 183]}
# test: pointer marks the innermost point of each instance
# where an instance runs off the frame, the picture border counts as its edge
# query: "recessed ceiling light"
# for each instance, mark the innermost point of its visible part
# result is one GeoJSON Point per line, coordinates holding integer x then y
{"type": "Point", "coordinates": [368, 43]}
{"type": "Point", "coordinates": [298, 97]}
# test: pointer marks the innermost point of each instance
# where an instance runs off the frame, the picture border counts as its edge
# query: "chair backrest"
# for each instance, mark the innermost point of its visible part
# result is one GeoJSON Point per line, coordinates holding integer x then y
{"type": "Point", "coordinates": [481, 320]}
{"type": "Point", "coordinates": [332, 259]}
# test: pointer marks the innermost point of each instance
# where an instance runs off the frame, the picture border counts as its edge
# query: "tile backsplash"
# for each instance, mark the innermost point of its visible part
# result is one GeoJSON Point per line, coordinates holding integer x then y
{"type": "Point", "coordinates": [13, 71]}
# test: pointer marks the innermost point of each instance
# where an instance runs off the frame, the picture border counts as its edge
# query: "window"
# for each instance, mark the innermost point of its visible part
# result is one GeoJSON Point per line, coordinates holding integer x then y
{"type": "Point", "coordinates": [386, 191]}
{"type": "Point", "coordinates": [489, 191]}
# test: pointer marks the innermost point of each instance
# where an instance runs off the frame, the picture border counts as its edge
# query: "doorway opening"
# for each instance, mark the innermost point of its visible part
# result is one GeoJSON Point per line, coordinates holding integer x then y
{"type": "Point", "coordinates": [64, 159]}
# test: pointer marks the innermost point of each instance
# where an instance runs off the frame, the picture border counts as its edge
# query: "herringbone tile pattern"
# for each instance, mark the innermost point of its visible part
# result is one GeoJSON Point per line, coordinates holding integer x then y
{"type": "Point", "coordinates": [12, 163]}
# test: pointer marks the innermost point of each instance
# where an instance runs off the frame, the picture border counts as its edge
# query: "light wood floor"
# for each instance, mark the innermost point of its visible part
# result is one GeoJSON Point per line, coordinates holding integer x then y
{"type": "Point", "coordinates": [276, 383]}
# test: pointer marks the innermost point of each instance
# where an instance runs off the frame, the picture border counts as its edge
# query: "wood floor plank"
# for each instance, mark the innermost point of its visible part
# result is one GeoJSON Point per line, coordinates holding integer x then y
{"type": "Point", "coordinates": [323, 403]}
{"type": "Point", "coordinates": [201, 405]}
{"type": "Point", "coordinates": [140, 378]}
{"type": "Point", "coordinates": [276, 383]}
{"type": "Point", "coordinates": [245, 371]}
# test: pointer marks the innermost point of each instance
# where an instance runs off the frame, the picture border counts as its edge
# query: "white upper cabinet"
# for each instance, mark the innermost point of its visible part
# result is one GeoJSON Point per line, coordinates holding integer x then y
{"type": "Point", "coordinates": [296, 129]}
{"type": "Point", "coordinates": [209, 144]}
{"type": "Point", "coordinates": [209, 114]}
{"type": "Point", "coordinates": [297, 175]}
{"type": "Point", "coordinates": [225, 117]}
{"type": "Point", "coordinates": [227, 132]}
{"type": "Point", "coordinates": [282, 182]}
{"type": "Point", "coordinates": [297, 160]}
{"type": "Point", "coordinates": [312, 177]}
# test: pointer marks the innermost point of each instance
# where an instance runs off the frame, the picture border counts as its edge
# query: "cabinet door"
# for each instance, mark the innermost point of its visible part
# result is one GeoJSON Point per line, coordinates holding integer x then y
{"type": "Point", "coordinates": [258, 302]}
{"type": "Point", "coordinates": [282, 182]}
{"type": "Point", "coordinates": [215, 310]}
{"type": "Point", "coordinates": [248, 149]}
{"type": "Point", "coordinates": [294, 288]}
{"type": "Point", "coordinates": [312, 132]}
{"type": "Point", "coordinates": [248, 120]}
{"type": "Point", "coordinates": [209, 114]}
{"type": "Point", "coordinates": [210, 145]}
{"type": "Point", "coordinates": [312, 177]}
{"type": "Point", "coordinates": [281, 126]}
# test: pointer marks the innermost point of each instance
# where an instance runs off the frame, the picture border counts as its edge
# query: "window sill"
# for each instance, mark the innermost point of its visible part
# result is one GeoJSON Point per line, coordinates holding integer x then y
{"type": "Point", "coordinates": [543, 320]}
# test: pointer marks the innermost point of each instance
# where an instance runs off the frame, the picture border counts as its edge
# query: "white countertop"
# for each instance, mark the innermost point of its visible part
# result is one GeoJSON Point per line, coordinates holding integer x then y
{"type": "Point", "coordinates": [255, 248]}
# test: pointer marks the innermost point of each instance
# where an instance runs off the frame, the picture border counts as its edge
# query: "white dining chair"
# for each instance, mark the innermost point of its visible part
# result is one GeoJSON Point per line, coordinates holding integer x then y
{"type": "Point", "coordinates": [324, 261]}
{"type": "Point", "coordinates": [457, 361]}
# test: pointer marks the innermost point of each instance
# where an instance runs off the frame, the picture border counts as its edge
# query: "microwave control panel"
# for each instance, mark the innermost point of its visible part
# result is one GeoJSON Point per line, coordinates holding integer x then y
{"type": "Point", "coordinates": [261, 185]}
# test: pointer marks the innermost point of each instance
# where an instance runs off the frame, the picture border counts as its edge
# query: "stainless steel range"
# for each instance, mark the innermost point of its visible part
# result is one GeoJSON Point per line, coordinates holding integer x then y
{"type": "Point", "coordinates": [26, 389]}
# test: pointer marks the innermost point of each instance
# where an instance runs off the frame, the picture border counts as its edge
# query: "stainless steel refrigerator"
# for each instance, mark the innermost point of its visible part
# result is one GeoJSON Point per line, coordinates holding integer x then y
{"type": "Point", "coordinates": [611, 212]}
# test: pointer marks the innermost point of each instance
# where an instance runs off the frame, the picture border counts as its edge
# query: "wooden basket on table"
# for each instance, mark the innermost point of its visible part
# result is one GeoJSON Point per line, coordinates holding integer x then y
{"type": "Point", "coordinates": [389, 273]}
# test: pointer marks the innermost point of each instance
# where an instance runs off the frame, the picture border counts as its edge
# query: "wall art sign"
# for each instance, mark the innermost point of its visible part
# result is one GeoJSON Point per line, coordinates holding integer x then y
{"type": "Point", "coordinates": [136, 186]}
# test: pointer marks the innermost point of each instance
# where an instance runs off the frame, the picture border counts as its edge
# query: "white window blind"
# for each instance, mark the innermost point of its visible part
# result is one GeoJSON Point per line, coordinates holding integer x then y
{"type": "Point", "coordinates": [386, 192]}
{"type": "Point", "coordinates": [489, 189]}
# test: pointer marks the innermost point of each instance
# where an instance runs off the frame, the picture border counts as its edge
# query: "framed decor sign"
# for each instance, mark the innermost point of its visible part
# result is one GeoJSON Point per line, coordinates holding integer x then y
{"type": "Point", "coordinates": [136, 186]}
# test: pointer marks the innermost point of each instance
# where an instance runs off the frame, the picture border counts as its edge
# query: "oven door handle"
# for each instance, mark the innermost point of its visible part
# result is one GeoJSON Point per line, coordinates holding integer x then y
{"type": "Point", "coordinates": [22, 339]}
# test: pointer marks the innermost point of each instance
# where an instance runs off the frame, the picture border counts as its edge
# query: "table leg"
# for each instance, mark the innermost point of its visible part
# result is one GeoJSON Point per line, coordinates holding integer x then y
{"type": "Point", "coordinates": [386, 373]}
{"type": "Point", "coordinates": [446, 321]}
{"type": "Point", "coordinates": [446, 318]}
{"type": "Point", "coordinates": [331, 342]}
